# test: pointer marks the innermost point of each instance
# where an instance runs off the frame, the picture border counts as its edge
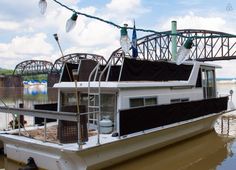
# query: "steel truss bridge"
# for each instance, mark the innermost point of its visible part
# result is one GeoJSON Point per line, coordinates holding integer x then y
{"type": "Point", "coordinates": [208, 46]}
{"type": "Point", "coordinates": [33, 67]}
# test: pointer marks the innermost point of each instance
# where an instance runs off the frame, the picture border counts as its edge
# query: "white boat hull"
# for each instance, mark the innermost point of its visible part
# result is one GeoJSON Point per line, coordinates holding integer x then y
{"type": "Point", "coordinates": [51, 157]}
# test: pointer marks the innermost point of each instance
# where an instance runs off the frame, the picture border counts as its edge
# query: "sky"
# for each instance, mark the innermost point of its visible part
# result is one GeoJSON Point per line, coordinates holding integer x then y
{"type": "Point", "coordinates": [26, 34]}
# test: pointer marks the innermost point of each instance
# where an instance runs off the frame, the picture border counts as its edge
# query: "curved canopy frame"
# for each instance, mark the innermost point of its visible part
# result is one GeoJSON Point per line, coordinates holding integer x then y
{"type": "Point", "coordinates": [74, 59]}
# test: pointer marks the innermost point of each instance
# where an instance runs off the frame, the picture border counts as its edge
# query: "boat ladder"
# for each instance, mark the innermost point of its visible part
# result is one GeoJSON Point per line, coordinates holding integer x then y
{"type": "Point", "coordinates": [94, 94]}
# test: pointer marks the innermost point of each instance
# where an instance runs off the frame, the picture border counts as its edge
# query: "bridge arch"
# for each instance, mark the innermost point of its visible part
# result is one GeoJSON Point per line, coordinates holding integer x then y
{"type": "Point", "coordinates": [208, 46]}
{"type": "Point", "coordinates": [32, 67]}
{"type": "Point", "coordinates": [74, 59]}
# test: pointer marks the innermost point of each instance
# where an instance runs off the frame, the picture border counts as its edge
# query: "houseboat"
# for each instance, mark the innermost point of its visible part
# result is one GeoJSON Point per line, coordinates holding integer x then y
{"type": "Point", "coordinates": [113, 112]}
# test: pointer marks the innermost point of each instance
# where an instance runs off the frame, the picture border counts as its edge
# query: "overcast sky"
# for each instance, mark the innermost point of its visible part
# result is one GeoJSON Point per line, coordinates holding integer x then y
{"type": "Point", "coordinates": [25, 34]}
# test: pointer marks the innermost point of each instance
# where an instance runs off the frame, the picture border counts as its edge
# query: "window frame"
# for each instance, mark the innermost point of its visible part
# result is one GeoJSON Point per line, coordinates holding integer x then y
{"type": "Point", "coordinates": [179, 100]}
{"type": "Point", "coordinates": [143, 98]}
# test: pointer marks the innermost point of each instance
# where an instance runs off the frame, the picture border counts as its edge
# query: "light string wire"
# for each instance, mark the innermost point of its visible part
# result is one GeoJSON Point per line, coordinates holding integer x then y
{"type": "Point", "coordinates": [223, 35]}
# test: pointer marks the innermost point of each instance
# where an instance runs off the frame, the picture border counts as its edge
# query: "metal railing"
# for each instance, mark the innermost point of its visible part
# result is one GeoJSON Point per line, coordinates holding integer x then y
{"type": "Point", "coordinates": [68, 116]}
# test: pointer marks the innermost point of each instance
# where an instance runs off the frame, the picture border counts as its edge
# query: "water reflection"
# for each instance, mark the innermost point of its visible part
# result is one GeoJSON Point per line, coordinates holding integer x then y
{"type": "Point", "coordinates": [28, 96]}
{"type": "Point", "coordinates": [206, 151]}
{"type": "Point", "coordinates": [1, 162]}
{"type": "Point", "coordinates": [230, 162]}
{"type": "Point", "coordinates": [9, 164]}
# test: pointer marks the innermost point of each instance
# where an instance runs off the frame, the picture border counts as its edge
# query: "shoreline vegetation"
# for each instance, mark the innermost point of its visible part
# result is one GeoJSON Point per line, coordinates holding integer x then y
{"type": "Point", "coordinates": [9, 72]}
{"type": "Point", "coordinates": [6, 71]}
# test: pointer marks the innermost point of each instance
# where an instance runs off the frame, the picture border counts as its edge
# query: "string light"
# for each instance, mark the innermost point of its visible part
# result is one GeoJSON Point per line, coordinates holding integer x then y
{"type": "Point", "coordinates": [71, 22]}
{"type": "Point", "coordinates": [138, 29]}
{"type": "Point", "coordinates": [42, 6]}
{"type": "Point", "coordinates": [184, 51]}
{"type": "Point", "coordinates": [124, 39]}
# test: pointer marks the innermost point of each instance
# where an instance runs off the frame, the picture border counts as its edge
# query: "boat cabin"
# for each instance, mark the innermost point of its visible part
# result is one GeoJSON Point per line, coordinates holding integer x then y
{"type": "Point", "coordinates": [103, 91]}
{"type": "Point", "coordinates": [106, 110]}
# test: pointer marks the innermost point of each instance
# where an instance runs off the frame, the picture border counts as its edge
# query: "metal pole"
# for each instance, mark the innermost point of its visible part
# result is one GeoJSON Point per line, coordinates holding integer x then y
{"type": "Point", "coordinates": [57, 40]}
{"type": "Point", "coordinates": [228, 126]}
{"type": "Point", "coordinates": [99, 112]}
{"type": "Point", "coordinates": [19, 124]}
{"type": "Point", "coordinates": [222, 125]}
{"type": "Point", "coordinates": [45, 129]}
{"type": "Point", "coordinates": [174, 39]}
{"type": "Point", "coordinates": [75, 74]}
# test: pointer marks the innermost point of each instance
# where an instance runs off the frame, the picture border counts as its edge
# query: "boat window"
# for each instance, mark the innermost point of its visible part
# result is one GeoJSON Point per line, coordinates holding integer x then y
{"type": "Point", "coordinates": [208, 83]}
{"type": "Point", "coordinates": [179, 100]}
{"type": "Point", "coordinates": [143, 101]}
{"type": "Point", "coordinates": [136, 102]}
{"type": "Point", "coordinates": [150, 101]}
{"type": "Point", "coordinates": [68, 99]}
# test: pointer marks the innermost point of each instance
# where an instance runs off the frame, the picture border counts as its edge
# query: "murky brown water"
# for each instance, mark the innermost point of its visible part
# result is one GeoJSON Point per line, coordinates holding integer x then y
{"type": "Point", "coordinates": [209, 151]}
{"type": "Point", "coordinates": [203, 152]}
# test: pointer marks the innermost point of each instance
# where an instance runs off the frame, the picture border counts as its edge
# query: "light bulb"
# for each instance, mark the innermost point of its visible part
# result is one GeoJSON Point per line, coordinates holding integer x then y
{"type": "Point", "coordinates": [124, 39]}
{"type": "Point", "coordinates": [71, 22]}
{"type": "Point", "coordinates": [42, 6]}
{"type": "Point", "coordinates": [184, 51]}
{"type": "Point", "coordinates": [231, 105]}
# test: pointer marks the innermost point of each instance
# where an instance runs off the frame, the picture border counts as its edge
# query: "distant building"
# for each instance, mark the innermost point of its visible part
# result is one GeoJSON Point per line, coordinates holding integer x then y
{"type": "Point", "coordinates": [2, 77]}
{"type": "Point", "coordinates": [10, 81]}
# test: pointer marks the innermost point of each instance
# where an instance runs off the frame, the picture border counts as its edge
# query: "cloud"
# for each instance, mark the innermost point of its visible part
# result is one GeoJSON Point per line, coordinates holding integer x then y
{"type": "Point", "coordinates": [32, 32]}
{"type": "Point", "coordinates": [123, 9]}
{"type": "Point", "coordinates": [24, 48]}
{"type": "Point", "coordinates": [35, 45]}
{"type": "Point", "coordinates": [192, 21]}
{"type": "Point", "coordinates": [97, 33]}
{"type": "Point", "coordinates": [187, 2]}
{"type": "Point", "coordinates": [122, 6]}
{"type": "Point", "coordinates": [9, 25]}
{"type": "Point", "coordinates": [89, 35]}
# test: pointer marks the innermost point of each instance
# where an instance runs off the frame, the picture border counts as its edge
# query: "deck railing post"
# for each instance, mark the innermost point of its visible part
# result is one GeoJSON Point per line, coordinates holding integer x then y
{"type": "Point", "coordinates": [45, 129]}
{"type": "Point", "coordinates": [99, 114]}
{"type": "Point", "coordinates": [18, 121]}
{"type": "Point", "coordinates": [75, 76]}
{"type": "Point", "coordinates": [121, 69]}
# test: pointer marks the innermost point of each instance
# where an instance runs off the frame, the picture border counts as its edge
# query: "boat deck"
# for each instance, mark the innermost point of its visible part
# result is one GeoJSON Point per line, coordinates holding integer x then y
{"type": "Point", "coordinates": [36, 136]}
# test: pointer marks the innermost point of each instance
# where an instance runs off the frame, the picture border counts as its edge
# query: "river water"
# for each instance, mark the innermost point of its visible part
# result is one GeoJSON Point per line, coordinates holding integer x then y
{"type": "Point", "coordinates": [209, 151]}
